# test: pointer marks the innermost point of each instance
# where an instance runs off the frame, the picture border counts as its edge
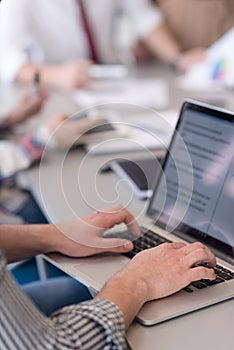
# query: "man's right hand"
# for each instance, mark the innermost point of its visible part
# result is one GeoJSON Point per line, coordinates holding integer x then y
{"type": "Point", "coordinates": [156, 273]}
{"type": "Point", "coordinates": [171, 268]}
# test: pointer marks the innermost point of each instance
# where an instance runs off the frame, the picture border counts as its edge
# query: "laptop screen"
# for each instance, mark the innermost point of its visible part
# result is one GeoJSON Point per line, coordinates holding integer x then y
{"type": "Point", "coordinates": [195, 193]}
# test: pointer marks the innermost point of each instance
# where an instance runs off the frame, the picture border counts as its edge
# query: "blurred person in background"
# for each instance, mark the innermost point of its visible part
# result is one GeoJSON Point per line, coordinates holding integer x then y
{"type": "Point", "coordinates": [19, 153]}
{"type": "Point", "coordinates": [63, 38]}
{"type": "Point", "coordinates": [17, 205]}
{"type": "Point", "coordinates": [194, 25]}
{"type": "Point", "coordinates": [27, 107]}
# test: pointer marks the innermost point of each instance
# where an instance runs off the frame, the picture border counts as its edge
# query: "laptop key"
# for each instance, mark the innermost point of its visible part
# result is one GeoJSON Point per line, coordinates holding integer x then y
{"type": "Point", "coordinates": [225, 276]}
{"type": "Point", "coordinates": [216, 281]}
{"type": "Point", "coordinates": [198, 285]}
{"type": "Point", "coordinates": [130, 254]}
{"type": "Point", "coordinates": [148, 240]}
{"type": "Point", "coordinates": [188, 289]}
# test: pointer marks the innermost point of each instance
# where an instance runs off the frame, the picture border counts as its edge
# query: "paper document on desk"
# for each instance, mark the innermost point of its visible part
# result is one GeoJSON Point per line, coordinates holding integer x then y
{"type": "Point", "coordinates": [216, 71]}
{"type": "Point", "coordinates": [12, 158]}
{"type": "Point", "coordinates": [143, 92]}
{"type": "Point", "coordinates": [142, 134]}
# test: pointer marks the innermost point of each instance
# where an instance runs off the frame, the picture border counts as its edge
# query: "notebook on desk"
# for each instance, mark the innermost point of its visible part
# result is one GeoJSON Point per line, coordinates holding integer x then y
{"type": "Point", "coordinates": [192, 201]}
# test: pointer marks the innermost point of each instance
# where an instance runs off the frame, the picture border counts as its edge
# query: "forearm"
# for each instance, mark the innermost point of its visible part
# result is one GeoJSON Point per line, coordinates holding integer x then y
{"type": "Point", "coordinates": [6, 122]}
{"type": "Point", "coordinates": [126, 292]}
{"type": "Point", "coordinates": [24, 241]}
{"type": "Point", "coordinates": [161, 42]}
{"type": "Point", "coordinates": [48, 73]}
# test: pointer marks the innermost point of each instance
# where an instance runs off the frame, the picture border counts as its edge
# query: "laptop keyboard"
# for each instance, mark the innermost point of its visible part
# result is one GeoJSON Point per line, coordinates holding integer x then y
{"type": "Point", "coordinates": [148, 240]}
{"type": "Point", "coordinates": [151, 239]}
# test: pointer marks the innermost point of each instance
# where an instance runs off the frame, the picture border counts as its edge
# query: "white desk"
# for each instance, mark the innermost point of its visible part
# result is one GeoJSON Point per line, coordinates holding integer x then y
{"type": "Point", "coordinates": [210, 328]}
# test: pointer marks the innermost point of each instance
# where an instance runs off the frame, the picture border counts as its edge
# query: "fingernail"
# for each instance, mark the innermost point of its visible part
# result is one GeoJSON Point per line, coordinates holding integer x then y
{"type": "Point", "coordinates": [128, 246]}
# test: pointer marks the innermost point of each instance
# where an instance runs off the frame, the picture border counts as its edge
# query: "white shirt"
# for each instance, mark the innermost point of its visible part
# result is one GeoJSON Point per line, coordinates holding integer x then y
{"type": "Point", "coordinates": [52, 30]}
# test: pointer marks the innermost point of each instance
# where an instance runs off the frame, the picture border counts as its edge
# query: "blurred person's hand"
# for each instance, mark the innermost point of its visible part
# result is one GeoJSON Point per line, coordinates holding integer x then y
{"type": "Point", "coordinates": [28, 106]}
{"type": "Point", "coordinates": [61, 131]}
{"type": "Point", "coordinates": [71, 75]}
{"type": "Point", "coordinates": [186, 59]}
{"type": "Point", "coordinates": [141, 52]}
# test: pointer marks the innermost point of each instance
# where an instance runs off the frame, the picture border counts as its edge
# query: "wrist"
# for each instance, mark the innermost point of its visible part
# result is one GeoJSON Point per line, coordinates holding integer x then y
{"type": "Point", "coordinates": [13, 118]}
{"type": "Point", "coordinates": [27, 73]}
{"type": "Point", "coordinates": [174, 63]}
{"type": "Point", "coordinates": [50, 75]}
{"type": "Point", "coordinates": [50, 239]}
{"type": "Point", "coordinates": [134, 284]}
{"type": "Point", "coordinates": [53, 240]}
{"type": "Point", "coordinates": [127, 291]}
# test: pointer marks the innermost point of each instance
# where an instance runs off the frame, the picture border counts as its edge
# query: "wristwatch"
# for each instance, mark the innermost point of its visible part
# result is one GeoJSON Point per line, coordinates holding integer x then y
{"type": "Point", "coordinates": [3, 122]}
{"type": "Point", "coordinates": [174, 64]}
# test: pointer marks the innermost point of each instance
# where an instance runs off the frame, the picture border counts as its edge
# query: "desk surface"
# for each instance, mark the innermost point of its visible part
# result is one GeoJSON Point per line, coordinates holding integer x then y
{"type": "Point", "coordinates": [61, 199]}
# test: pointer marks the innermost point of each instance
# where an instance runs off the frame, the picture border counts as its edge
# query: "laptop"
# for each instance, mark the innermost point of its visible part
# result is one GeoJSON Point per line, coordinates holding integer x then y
{"type": "Point", "coordinates": [193, 200]}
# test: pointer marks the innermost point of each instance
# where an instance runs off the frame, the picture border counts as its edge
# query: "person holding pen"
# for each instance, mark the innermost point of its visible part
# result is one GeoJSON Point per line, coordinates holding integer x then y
{"type": "Point", "coordinates": [63, 38]}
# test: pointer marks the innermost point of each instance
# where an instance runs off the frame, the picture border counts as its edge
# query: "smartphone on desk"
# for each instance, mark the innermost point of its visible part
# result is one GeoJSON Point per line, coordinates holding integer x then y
{"type": "Point", "coordinates": [140, 174]}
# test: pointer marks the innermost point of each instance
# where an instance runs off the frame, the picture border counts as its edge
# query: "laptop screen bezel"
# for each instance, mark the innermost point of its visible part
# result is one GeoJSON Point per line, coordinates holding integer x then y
{"type": "Point", "coordinates": [183, 230]}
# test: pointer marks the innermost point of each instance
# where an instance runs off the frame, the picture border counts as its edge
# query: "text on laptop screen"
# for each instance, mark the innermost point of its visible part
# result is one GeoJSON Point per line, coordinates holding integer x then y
{"type": "Point", "coordinates": [205, 205]}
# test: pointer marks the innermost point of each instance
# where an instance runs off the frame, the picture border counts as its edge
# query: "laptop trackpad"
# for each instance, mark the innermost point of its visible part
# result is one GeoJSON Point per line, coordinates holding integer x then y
{"type": "Point", "coordinates": [97, 270]}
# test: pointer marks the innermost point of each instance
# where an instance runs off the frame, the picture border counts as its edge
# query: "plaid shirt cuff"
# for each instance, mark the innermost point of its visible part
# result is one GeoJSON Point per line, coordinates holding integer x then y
{"type": "Point", "coordinates": [96, 324]}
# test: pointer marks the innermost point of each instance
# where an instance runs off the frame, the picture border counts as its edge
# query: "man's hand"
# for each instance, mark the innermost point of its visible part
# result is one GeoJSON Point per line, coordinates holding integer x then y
{"type": "Point", "coordinates": [77, 238]}
{"type": "Point", "coordinates": [67, 76]}
{"type": "Point", "coordinates": [84, 236]}
{"type": "Point", "coordinates": [171, 268]}
{"type": "Point", "coordinates": [156, 273]}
